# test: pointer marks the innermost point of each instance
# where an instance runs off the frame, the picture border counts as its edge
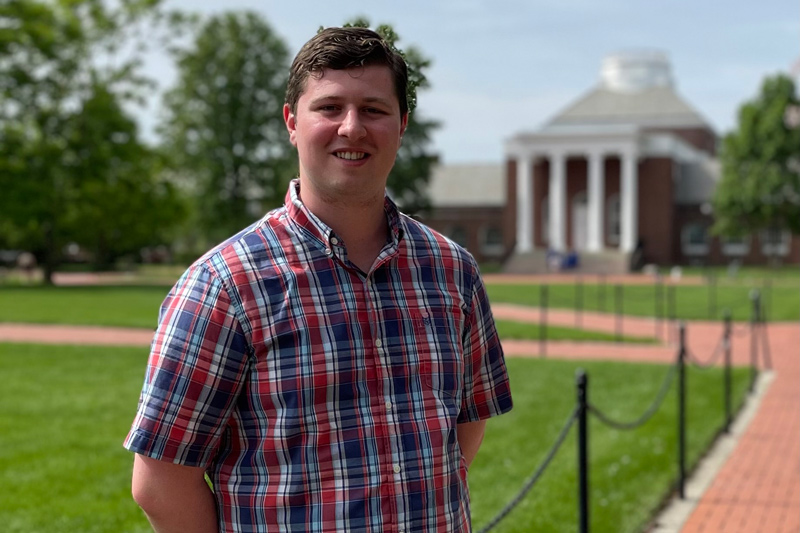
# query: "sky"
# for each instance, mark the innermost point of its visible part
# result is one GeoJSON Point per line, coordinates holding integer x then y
{"type": "Point", "coordinates": [501, 67]}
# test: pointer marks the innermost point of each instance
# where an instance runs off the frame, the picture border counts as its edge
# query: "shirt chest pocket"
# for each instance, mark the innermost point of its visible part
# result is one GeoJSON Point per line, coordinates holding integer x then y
{"type": "Point", "coordinates": [439, 354]}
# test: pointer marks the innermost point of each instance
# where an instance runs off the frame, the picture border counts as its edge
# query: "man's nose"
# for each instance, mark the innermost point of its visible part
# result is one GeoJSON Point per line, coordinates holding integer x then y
{"type": "Point", "coordinates": [352, 126]}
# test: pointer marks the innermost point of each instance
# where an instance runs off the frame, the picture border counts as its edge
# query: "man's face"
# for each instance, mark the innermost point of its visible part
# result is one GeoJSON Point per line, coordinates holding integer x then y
{"type": "Point", "coordinates": [347, 131]}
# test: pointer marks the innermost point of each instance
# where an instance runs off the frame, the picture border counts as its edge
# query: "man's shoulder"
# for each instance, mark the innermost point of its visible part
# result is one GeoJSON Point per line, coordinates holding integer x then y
{"type": "Point", "coordinates": [419, 234]}
{"type": "Point", "coordinates": [264, 238]}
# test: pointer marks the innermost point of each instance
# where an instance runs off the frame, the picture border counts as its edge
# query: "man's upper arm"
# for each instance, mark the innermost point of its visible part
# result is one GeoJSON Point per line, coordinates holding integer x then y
{"type": "Point", "coordinates": [198, 361]}
{"type": "Point", "coordinates": [174, 497]}
{"type": "Point", "coordinates": [486, 386]}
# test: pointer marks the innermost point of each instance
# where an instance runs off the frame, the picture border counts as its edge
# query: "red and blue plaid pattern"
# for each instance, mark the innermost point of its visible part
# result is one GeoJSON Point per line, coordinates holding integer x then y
{"type": "Point", "coordinates": [319, 398]}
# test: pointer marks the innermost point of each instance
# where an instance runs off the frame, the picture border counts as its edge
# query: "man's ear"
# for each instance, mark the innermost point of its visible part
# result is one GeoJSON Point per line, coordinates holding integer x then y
{"type": "Point", "coordinates": [291, 123]}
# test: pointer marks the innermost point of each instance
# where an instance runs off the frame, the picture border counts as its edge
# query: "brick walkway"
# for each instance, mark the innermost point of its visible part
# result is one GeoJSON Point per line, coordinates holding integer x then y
{"type": "Point", "coordinates": [758, 488]}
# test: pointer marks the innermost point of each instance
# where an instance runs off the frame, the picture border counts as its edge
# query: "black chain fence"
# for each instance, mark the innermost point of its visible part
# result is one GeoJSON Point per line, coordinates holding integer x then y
{"type": "Point", "coordinates": [759, 346]}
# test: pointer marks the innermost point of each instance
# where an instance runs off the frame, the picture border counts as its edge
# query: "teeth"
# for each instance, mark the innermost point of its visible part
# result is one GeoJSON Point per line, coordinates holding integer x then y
{"type": "Point", "coordinates": [351, 155]}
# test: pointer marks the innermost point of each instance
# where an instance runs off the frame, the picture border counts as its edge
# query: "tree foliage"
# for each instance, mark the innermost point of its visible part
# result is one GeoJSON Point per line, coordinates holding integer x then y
{"type": "Point", "coordinates": [125, 203]}
{"type": "Point", "coordinates": [53, 93]}
{"type": "Point", "coordinates": [760, 185]}
{"type": "Point", "coordinates": [224, 123]}
{"type": "Point", "coordinates": [409, 178]}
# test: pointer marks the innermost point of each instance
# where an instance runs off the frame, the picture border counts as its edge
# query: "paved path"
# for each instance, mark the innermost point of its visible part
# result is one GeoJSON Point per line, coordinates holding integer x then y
{"type": "Point", "coordinates": [757, 489]}
{"type": "Point", "coordinates": [49, 334]}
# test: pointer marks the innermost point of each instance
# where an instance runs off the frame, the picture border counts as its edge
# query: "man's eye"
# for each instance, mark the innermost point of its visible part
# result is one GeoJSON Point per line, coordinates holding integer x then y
{"type": "Point", "coordinates": [375, 110]}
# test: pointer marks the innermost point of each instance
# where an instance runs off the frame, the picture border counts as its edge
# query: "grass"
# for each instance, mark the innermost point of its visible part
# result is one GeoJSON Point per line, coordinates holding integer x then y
{"type": "Point", "coordinates": [631, 472]}
{"type": "Point", "coordinates": [124, 306]}
{"type": "Point", "coordinates": [701, 302]}
{"type": "Point", "coordinates": [64, 412]}
{"type": "Point", "coordinates": [137, 306]}
{"type": "Point", "coordinates": [522, 331]}
{"type": "Point", "coordinates": [746, 274]}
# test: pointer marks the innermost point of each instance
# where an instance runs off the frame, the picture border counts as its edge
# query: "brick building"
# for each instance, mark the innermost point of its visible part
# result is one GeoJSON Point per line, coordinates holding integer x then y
{"type": "Point", "coordinates": [622, 177]}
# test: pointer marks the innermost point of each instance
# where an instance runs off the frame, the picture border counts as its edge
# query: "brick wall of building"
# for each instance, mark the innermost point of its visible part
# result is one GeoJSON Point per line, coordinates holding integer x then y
{"type": "Point", "coordinates": [474, 222]}
{"type": "Point", "coordinates": [656, 229]}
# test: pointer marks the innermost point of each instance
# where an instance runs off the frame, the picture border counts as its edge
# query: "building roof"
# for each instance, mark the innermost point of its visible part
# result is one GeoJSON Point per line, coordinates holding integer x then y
{"type": "Point", "coordinates": [652, 107]}
{"type": "Point", "coordinates": [636, 88]}
{"type": "Point", "coordinates": [468, 185]}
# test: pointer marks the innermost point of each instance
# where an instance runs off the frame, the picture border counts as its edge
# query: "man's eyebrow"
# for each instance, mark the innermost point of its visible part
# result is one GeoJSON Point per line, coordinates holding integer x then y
{"type": "Point", "coordinates": [378, 100]}
{"type": "Point", "coordinates": [366, 99]}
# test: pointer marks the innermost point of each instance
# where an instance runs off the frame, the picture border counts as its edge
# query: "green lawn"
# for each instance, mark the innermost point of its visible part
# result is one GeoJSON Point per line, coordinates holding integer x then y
{"type": "Point", "coordinates": [781, 300]}
{"type": "Point", "coordinates": [64, 412]}
{"type": "Point", "coordinates": [137, 306]}
{"type": "Point", "coordinates": [631, 472]}
{"type": "Point", "coordinates": [126, 306]}
{"type": "Point", "coordinates": [523, 331]}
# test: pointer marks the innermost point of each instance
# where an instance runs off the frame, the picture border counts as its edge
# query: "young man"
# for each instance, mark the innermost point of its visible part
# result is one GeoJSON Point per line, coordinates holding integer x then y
{"type": "Point", "coordinates": [331, 367]}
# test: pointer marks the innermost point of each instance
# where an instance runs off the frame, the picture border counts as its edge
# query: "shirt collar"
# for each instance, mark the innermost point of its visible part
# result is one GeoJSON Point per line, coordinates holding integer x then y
{"type": "Point", "coordinates": [300, 214]}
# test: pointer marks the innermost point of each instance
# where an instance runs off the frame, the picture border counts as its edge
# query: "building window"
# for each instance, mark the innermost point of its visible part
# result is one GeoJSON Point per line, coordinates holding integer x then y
{"type": "Point", "coordinates": [544, 220]}
{"type": "Point", "coordinates": [775, 241]}
{"type": "Point", "coordinates": [694, 239]}
{"type": "Point", "coordinates": [492, 241]}
{"type": "Point", "coordinates": [736, 246]}
{"type": "Point", "coordinates": [614, 219]}
{"type": "Point", "coordinates": [459, 235]}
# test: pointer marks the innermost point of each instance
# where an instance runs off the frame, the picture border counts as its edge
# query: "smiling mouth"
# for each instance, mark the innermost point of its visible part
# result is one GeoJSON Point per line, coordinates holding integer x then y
{"type": "Point", "coordinates": [351, 156]}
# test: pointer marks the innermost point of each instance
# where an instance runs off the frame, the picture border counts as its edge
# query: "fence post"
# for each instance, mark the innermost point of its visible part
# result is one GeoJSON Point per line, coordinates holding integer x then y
{"type": "Point", "coordinates": [543, 320]}
{"type": "Point", "coordinates": [726, 339]}
{"type": "Point", "coordinates": [582, 382]}
{"type": "Point", "coordinates": [755, 296]}
{"type": "Point", "coordinates": [682, 412]}
{"type": "Point", "coordinates": [601, 294]}
{"type": "Point", "coordinates": [762, 332]}
{"type": "Point", "coordinates": [712, 295]}
{"type": "Point", "coordinates": [659, 304]}
{"type": "Point", "coordinates": [671, 310]}
{"type": "Point", "coordinates": [618, 311]}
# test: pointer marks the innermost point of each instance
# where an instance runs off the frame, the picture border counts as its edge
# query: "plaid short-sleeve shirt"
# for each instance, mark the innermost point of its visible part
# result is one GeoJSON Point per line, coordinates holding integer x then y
{"type": "Point", "coordinates": [320, 398]}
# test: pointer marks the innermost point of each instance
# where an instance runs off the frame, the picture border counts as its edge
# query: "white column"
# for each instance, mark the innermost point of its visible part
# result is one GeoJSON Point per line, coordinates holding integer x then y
{"type": "Point", "coordinates": [558, 202]}
{"type": "Point", "coordinates": [597, 202]}
{"type": "Point", "coordinates": [630, 198]}
{"type": "Point", "coordinates": [524, 205]}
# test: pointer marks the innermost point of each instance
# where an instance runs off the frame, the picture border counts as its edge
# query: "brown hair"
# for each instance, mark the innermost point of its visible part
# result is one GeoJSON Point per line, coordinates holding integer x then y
{"type": "Point", "coordinates": [343, 48]}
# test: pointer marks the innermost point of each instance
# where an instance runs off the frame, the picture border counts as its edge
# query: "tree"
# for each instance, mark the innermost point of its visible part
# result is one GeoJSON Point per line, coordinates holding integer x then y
{"type": "Point", "coordinates": [48, 72]}
{"type": "Point", "coordinates": [409, 178]}
{"type": "Point", "coordinates": [224, 122]}
{"type": "Point", "coordinates": [125, 202]}
{"type": "Point", "coordinates": [760, 185]}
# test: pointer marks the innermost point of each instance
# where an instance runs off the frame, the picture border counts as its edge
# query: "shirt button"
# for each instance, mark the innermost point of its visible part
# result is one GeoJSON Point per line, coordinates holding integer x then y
{"type": "Point", "coordinates": [396, 469]}
{"type": "Point", "coordinates": [334, 241]}
{"type": "Point", "coordinates": [328, 251]}
{"type": "Point", "coordinates": [378, 343]}
{"type": "Point", "coordinates": [424, 313]}
{"type": "Point", "coordinates": [388, 406]}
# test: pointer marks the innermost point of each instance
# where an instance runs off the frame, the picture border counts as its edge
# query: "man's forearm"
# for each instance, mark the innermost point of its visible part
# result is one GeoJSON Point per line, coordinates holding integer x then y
{"type": "Point", "coordinates": [470, 437]}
